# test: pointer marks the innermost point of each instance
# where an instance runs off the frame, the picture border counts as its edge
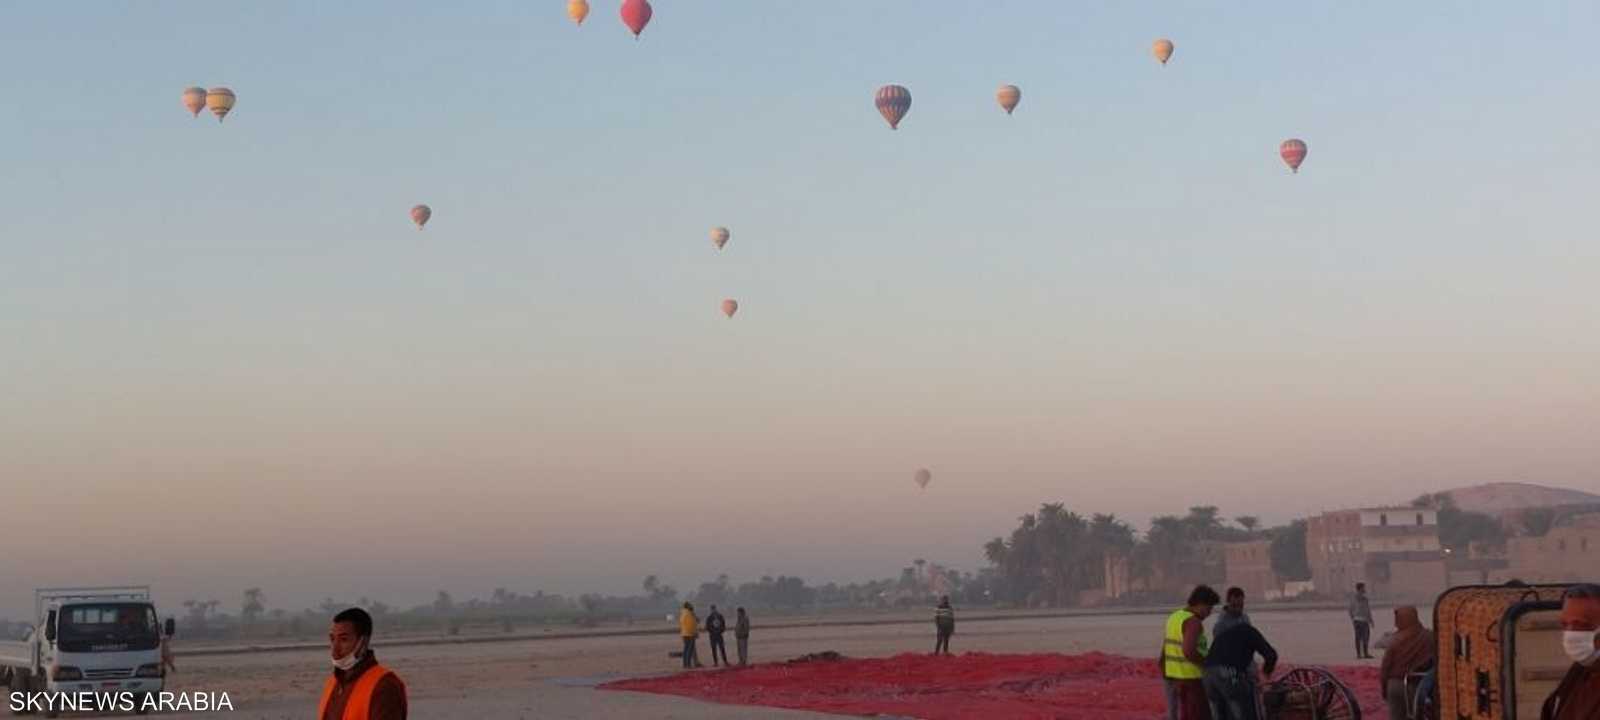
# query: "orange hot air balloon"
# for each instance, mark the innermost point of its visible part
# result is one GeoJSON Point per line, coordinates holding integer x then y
{"type": "Point", "coordinates": [636, 14]}
{"type": "Point", "coordinates": [1008, 96]}
{"type": "Point", "coordinates": [1162, 49]}
{"type": "Point", "coordinates": [578, 10]}
{"type": "Point", "coordinates": [420, 215]}
{"type": "Point", "coordinates": [729, 307]}
{"type": "Point", "coordinates": [220, 100]}
{"type": "Point", "coordinates": [719, 237]}
{"type": "Point", "coordinates": [194, 100]}
{"type": "Point", "coordinates": [924, 477]}
{"type": "Point", "coordinates": [1293, 152]}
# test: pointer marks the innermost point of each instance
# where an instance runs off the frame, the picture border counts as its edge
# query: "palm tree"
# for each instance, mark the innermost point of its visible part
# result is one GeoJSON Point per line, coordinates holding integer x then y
{"type": "Point", "coordinates": [1248, 522]}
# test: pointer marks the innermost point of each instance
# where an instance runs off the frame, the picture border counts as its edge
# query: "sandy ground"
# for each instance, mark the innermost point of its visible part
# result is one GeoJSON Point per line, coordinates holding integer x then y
{"type": "Point", "coordinates": [553, 678]}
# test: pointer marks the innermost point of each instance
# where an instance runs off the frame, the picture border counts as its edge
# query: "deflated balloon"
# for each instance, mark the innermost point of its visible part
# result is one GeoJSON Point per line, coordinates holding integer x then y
{"type": "Point", "coordinates": [1009, 96]}
{"type": "Point", "coordinates": [220, 100]}
{"type": "Point", "coordinates": [730, 306]}
{"type": "Point", "coordinates": [1162, 49]}
{"type": "Point", "coordinates": [578, 10]}
{"type": "Point", "coordinates": [636, 14]}
{"type": "Point", "coordinates": [194, 100]}
{"type": "Point", "coordinates": [923, 478]}
{"type": "Point", "coordinates": [420, 215]}
{"type": "Point", "coordinates": [893, 101]}
{"type": "Point", "coordinates": [719, 237]}
{"type": "Point", "coordinates": [1293, 152]}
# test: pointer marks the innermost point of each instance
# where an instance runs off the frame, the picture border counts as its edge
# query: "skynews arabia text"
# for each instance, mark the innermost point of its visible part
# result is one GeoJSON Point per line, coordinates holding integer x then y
{"type": "Point", "coordinates": [88, 701]}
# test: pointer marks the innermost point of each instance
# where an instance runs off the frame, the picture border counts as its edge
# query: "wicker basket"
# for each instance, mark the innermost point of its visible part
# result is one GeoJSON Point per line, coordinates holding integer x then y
{"type": "Point", "coordinates": [1499, 650]}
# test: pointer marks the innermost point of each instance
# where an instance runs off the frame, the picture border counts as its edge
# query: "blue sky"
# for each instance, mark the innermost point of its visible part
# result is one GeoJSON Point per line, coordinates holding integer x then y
{"type": "Point", "coordinates": [1117, 297]}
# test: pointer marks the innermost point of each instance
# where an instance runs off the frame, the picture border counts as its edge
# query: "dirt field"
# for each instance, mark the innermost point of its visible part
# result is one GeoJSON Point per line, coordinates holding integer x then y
{"type": "Point", "coordinates": [553, 678]}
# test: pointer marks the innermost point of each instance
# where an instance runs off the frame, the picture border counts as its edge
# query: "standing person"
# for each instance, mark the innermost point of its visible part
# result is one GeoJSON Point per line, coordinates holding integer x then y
{"type": "Point", "coordinates": [360, 688]}
{"type": "Point", "coordinates": [1233, 614]}
{"type": "Point", "coordinates": [1361, 617]}
{"type": "Point", "coordinates": [1411, 649]}
{"type": "Point", "coordinates": [689, 630]}
{"type": "Point", "coordinates": [1183, 654]}
{"type": "Point", "coordinates": [741, 636]}
{"type": "Point", "coordinates": [944, 625]}
{"type": "Point", "coordinates": [715, 626]}
{"type": "Point", "coordinates": [1578, 695]}
{"type": "Point", "coordinates": [1230, 682]}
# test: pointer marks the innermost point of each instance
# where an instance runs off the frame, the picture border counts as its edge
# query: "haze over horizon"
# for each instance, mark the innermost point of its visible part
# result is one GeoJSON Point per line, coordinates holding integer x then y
{"type": "Point", "coordinates": [231, 361]}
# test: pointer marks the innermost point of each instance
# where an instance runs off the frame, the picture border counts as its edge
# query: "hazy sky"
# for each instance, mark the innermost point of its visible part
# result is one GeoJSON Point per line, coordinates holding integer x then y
{"type": "Point", "coordinates": [229, 359]}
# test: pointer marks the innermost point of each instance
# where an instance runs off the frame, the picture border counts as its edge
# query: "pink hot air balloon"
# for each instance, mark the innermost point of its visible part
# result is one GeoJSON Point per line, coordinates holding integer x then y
{"type": "Point", "coordinates": [636, 14]}
{"type": "Point", "coordinates": [1293, 152]}
{"type": "Point", "coordinates": [194, 100]}
{"type": "Point", "coordinates": [893, 101]}
{"type": "Point", "coordinates": [729, 307]}
{"type": "Point", "coordinates": [420, 215]}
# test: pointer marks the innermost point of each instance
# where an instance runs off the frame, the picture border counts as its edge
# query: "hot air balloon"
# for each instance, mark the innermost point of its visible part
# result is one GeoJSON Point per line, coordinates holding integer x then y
{"type": "Point", "coordinates": [636, 15]}
{"type": "Point", "coordinates": [730, 306]}
{"type": "Point", "coordinates": [893, 101]}
{"type": "Point", "coordinates": [220, 100]}
{"type": "Point", "coordinates": [578, 10]}
{"type": "Point", "coordinates": [194, 100]}
{"type": "Point", "coordinates": [719, 237]}
{"type": "Point", "coordinates": [1009, 96]}
{"type": "Point", "coordinates": [420, 215]}
{"type": "Point", "coordinates": [1162, 49]}
{"type": "Point", "coordinates": [1293, 152]}
{"type": "Point", "coordinates": [923, 478]}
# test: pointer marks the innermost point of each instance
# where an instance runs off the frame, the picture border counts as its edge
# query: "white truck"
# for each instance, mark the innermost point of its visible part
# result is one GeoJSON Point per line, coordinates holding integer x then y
{"type": "Point", "coordinates": [99, 639]}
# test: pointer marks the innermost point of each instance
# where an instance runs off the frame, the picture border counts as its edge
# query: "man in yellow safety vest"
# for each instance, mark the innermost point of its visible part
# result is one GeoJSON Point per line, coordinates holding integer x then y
{"type": "Point", "coordinates": [1183, 652]}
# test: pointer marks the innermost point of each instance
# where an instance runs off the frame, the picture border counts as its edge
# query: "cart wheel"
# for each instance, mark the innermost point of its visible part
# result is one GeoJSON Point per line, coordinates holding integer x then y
{"type": "Point", "coordinates": [1325, 697]}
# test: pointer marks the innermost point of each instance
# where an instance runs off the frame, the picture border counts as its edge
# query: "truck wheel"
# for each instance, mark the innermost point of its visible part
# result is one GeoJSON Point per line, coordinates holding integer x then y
{"type": "Point", "coordinates": [17, 683]}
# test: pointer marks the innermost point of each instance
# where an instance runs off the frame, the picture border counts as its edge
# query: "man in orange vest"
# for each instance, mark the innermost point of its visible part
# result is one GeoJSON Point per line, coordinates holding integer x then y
{"type": "Point", "coordinates": [359, 688]}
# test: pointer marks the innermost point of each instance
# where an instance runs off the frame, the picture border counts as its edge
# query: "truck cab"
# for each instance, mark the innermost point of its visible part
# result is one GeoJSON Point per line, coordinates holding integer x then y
{"type": "Point", "coordinates": [101, 640]}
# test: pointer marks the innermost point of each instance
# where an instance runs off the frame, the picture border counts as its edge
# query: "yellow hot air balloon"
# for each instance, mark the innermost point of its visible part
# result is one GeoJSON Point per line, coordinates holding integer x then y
{"type": "Point", "coordinates": [578, 10]}
{"type": "Point", "coordinates": [1162, 50]}
{"type": "Point", "coordinates": [220, 101]}
{"type": "Point", "coordinates": [194, 100]}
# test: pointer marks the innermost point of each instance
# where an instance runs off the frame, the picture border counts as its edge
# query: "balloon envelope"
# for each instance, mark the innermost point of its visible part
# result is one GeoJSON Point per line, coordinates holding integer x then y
{"type": "Point", "coordinates": [420, 215]}
{"type": "Point", "coordinates": [719, 237]}
{"type": "Point", "coordinates": [893, 101]}
{"type": "Point", "coordinates": [729, 307]}
{"type": "Point", "coordinates": [194, 100]}
{"type": "Point", "coordinates": [220, 100]}
{"type": "Point", "coordinates": [578, 10]}
{"type": "Point", "coordinates": [1162, 49]}
{"type": "Point", "coordinates": [1293, 152]}
{"type": "Point", "coordinates": [1009, 96]}
{"type": "Point", "coordinates": [636, 14]}
{"type": "Point", "coordinates": [924, 477]}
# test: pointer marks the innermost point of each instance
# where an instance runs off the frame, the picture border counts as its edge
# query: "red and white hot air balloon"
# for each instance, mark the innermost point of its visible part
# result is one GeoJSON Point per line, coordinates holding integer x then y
{"type": "Point", "coordinates": [923, 477]}
{"type": "Point", "coordinates": [420, 215]}
{"type": "Point", "coordinates": [1293, 152]}
{"type": "Point", "coordinates": [1008, 97]}
{"type": "Point", "coordinates": [636, 14]}
{"type": "Point", "coordinates": [893, 102]}
{"type": "Point", "coordinates": [194, 100]}
{"type": "Point", "coordinates": [729, 307]}
{"type": "Point", "coordinates": [719, 236]}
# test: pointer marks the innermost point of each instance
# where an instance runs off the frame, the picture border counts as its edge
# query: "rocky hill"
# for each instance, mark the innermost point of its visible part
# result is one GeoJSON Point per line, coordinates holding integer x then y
{"type": "Point", "coordinates": [1499, 497]}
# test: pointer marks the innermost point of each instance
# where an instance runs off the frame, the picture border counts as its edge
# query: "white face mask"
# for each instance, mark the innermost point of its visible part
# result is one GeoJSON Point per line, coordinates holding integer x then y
{"type": "Point", "coordinates": [1579, 645]}
{"type": "Point", "coordinates": [349, 661]}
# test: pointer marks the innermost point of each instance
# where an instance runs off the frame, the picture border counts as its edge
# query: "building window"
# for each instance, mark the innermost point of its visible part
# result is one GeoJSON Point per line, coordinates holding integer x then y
{"type": "Point", "coordinates": [1383, 520]}
{"type": "Point", "coordinates": [1561, 546]}
{"type": "Point", "coordinates": [1583, 544]}
{"type": "Point", "coordinates": [1419, 519]}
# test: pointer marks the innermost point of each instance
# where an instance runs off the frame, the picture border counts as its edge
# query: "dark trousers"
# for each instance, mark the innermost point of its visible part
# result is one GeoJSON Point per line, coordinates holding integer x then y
{"type": "Point", "coordinates": [1363, 634]}
{"type": "Point", "coordinates": [941, 644]}
{"type": "Point", "coordinates": [691, 654]}
{"type": "Point", "coordinates": [1231, 694]}
{"type": "Point", "coordinates": [744, 649]}
{"type": "Point", "coordinates": [718, 646]}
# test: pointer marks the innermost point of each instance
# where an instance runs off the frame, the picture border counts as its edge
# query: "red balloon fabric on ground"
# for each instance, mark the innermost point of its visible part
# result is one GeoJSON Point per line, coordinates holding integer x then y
{"type": "Point", "coordinates": [1094, 686]}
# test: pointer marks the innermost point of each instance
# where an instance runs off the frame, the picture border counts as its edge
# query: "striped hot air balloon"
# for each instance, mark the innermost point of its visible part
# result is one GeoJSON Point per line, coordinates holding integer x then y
{"type": "Point", "coordinates": [578, 10]}
{"type": "Point", "coordinates": [220, 100]}
{"type": "Point", "coordinates": [729, 307]}
{"type": "Point", "coordinates": [420, 215]}
{"type": "Point", "coordinates": [1009, 96]}
{"type": "Point", "coordinates": [1293, 152]}
{"type": "Point", "coordinates": [719, 236]}
{"type": "Point", "coordinates": [893, 101]}
{"type": "Point", "coordinates": [636, 14]}
{"type": "Point", "coordinates": [194, 100]}
{"type": "Point", "coordinates": [1162, 49]}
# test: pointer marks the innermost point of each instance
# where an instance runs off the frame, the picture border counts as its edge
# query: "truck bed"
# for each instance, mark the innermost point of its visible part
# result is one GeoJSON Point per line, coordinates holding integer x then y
{"type": "Point", "coordinates": [14, 653]}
